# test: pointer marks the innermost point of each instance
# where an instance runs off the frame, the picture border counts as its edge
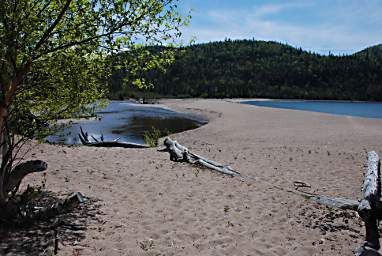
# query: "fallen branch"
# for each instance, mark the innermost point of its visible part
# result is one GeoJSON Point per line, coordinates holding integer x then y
{"type": "Point", "coordinates": [84, 138]}
{"type": "Point", "coordinates": [332, 202]}
{"type": "Point", "coordinates": [58, 208]}
{"type": "Point", "coordinates": [337, 202]}
{"type": "Point", "coordinates": [179, 153]}
{"type": "Point", "coordinates": [21, 211]}
{"type": "Point", "coordinates": [369, 208]}
{"type": "Point", "coordinates": [21, 170]}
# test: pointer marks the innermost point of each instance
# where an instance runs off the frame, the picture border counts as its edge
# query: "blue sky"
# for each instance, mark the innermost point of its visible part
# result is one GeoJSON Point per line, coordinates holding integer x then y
{"type": "Point", "coordinates": [338, 26]}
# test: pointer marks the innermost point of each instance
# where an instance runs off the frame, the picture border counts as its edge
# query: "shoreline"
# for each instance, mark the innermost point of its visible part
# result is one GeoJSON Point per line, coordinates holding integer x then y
{"type": "Point", "coordinates": [293, 99]}
{"type": "Point", "coordinates": [150, 205]}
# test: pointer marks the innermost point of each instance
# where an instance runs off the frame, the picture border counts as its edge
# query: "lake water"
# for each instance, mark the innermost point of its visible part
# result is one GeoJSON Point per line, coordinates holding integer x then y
{"type": "Point", "coordinates": [358, 109]}
{"type": "Point", "coordinates": [128, 121]}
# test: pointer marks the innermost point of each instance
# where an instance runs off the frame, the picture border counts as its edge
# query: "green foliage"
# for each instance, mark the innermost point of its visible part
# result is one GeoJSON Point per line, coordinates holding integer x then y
{"type": "Point", "coordinates": [56, 58]}
{"type": "Point", "coordinates": [64, 50]}
{"type": "Point", "coordinates": [144, 63]}
{"type": "Point", "coordinates": [152, 136]}
{"type": "Point", "coordinates": [60, 88]}
{"type": "Point", "coordinates": [249, 68]}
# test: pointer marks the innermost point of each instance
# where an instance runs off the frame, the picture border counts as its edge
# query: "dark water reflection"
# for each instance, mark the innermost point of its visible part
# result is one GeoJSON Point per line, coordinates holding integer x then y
{"type": "Point", "coordinates": [128, 121]}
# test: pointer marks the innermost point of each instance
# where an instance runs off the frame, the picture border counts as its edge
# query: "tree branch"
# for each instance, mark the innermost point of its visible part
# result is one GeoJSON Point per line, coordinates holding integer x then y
{"type": "Point", "coordinates": [44, 8]}
{"type": "Point", "coordinates": [87, 40]}
{"type": "Point", "coordinates": [53, 26]}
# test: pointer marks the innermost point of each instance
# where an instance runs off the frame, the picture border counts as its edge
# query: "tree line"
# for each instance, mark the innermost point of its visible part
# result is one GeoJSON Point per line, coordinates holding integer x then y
{"type": "Point", "coordinates": [251, 68]}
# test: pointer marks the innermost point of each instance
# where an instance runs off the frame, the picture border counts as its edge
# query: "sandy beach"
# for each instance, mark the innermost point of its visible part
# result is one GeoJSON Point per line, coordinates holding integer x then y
{"type": "Point", "coordinates": [147, 205]}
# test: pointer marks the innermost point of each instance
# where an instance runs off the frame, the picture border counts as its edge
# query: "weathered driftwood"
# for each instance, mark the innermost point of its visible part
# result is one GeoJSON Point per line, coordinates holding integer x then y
{"type": "Point", "coordinates": [371, 189]}
{"type": "Point", "coordinates": [367, 208]}
{"type": "Point", "coordinates": [367, 251]}
{"type": "Point", "coordinates": [180, 153]}
{"type": "Point", "coordinates": [60, 207]}
{"type": "Point", "coordinates": [22, 212]}
{"type": "Point", "coordinates": [84, 138]}
{"type": "Point", "coordinates": [337, 202]}
{"type": "Point", "coordinates": [21, 170]}
{"type": "Point", "coordinates": [332, 202]}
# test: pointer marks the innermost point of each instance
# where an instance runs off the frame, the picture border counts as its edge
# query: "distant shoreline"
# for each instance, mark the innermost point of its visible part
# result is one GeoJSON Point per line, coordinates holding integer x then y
{"type": "Point", "coordinates": [344, 108]}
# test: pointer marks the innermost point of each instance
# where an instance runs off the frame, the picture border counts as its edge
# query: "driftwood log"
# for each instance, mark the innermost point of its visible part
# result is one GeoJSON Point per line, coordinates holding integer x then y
{"type": "Point", "coordinates": [84, 138]}
{"type": "Point", "coordinates": [369, 208]}
{"type": "Point", "coordinates": [179, 153]}
{"type": "Point", "coordinates": [337, 202]}
{"type": "Point", "coordinates": [20, 212]}
{"type": "Point", "coordinates": [58, 208]}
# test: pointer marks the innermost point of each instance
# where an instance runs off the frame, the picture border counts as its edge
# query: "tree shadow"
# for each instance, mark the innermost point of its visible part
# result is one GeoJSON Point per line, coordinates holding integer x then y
{"type": "Point", "coordinates": [43, 237]}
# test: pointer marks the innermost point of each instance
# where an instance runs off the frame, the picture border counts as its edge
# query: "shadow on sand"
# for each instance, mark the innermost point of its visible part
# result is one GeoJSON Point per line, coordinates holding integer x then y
{"type": "Point", "coordinates": [46, 237]}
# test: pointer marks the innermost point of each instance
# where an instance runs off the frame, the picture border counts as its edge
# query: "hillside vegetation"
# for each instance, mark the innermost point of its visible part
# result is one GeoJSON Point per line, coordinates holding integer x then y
{"type": "Point", "coordinates": [249, 68]}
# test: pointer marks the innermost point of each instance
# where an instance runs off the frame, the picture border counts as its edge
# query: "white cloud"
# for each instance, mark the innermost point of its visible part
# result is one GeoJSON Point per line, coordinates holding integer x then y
{"type": "Point", "coordinates": [338, 30]}
{"type": "Point", "coordinates": [268, 9]}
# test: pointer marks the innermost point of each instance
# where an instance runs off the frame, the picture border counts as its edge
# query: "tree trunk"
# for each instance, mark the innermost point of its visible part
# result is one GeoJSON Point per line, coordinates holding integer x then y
{"type": "Point", "coordinates": [8, 93]}
{"type": "Point", "coordinates": [3, 153]}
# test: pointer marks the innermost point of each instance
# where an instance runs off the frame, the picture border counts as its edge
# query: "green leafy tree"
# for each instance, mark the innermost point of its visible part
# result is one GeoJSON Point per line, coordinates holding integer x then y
{"type": "Point", "coordinates": [56, 55]}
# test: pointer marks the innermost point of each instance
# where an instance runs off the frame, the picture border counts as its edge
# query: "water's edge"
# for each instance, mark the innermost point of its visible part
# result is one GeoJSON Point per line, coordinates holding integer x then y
{"type": "Point", "coordinates": [343, 108]}
{"type": "Point", "coordinates": [128, 122]}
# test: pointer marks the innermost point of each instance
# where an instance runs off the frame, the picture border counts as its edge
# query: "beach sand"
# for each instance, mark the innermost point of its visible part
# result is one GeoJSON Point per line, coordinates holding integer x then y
{"type": "Point", "coordinates": [149, 205]}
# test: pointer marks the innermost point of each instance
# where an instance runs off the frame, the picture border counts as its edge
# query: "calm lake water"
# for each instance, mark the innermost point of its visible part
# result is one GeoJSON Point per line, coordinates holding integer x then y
{"type": "Point", "coordinates": [359, 109]}
{"type": "Point", "coordinates": [128, 121]}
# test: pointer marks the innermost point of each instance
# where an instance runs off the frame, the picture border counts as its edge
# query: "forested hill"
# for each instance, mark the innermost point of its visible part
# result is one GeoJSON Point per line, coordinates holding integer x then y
{"type": "Point", "coordinates": [249, 68]}
{"type": "Point", "coordinates": [375, 52]}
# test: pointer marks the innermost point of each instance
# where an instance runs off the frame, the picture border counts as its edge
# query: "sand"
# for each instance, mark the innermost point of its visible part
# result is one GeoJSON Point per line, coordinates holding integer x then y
{"type": "Point", "coordinates": [148, 205]}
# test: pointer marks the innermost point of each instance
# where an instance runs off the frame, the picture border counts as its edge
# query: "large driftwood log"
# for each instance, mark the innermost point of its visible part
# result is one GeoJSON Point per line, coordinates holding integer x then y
{"type": "Point", "coordinates": [367, 209]}
{"type": "Point", "coordinates": [21, 170]}
{"type": "Point", "coordinates": [84, 138]}
{"type": "Point", "coordinates": [371, 189]}
{"type": "Point", "coordinates": [180, 153]}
